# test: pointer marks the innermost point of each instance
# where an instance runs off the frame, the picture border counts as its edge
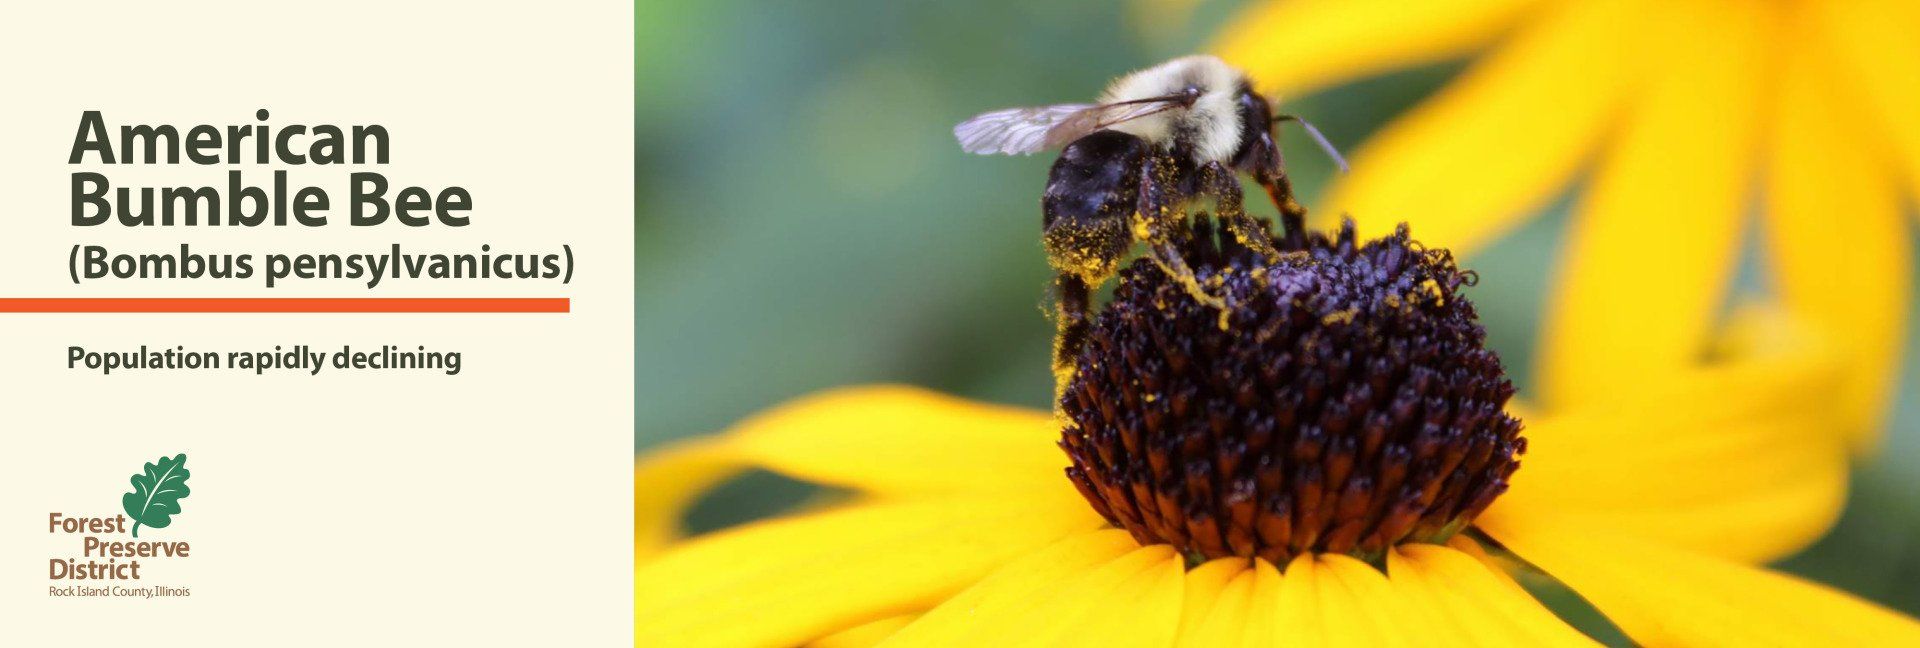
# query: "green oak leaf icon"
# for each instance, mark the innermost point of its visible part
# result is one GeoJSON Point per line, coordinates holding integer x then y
{"type": "Point", "coordinates": [157, 492]}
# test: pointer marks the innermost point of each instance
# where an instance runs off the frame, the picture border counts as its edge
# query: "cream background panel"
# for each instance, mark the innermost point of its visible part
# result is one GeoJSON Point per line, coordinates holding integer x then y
{"type": "Point", "coordinates": [490, 507]}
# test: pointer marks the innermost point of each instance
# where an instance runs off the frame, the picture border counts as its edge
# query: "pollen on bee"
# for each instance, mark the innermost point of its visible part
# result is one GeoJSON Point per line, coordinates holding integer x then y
{"type": "Point", "coordinates": [1080, 255]}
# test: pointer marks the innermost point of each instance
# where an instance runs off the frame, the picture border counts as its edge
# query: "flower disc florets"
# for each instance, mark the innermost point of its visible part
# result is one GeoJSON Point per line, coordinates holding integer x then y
{"type": "Point", "coordinates": [1350, 404]}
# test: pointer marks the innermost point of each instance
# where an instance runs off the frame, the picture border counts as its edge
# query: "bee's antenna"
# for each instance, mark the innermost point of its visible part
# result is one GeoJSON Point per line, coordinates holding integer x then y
{"type": "Point", "coordinates": [1318, 138]}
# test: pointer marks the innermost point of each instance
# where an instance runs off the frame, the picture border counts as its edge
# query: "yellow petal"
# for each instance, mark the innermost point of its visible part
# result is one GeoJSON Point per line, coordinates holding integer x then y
{"type": "Point", "coordinates": [1734, 459]}
{"type": "Point", "coordinates": [1654, 241]}
{"type": "Point", "coordinates": [1095, 589]}
{"type": "Point", "coordinates": [1003, 593]}
{"type": "Point", "coordinates": [902, 440]}
{"type": "Point", "coordinates": [1471, 163]}
{"type": "Point", "coordinates": [1339, 601]}
{"type": "Point", "coordinates": [1360, 608]}
{"type": "Point", "coordinates": [1235, 605]}
{"type": "Point", "coordinates": [1263, 626]}
{"type": "Point", "coordinates": [1218, 596]}
{"type": "Point", "coordinates": [864, 635]}
{"type": "Point", "coordinates": [791, 580]}
{"type": "Point", "coordinates": [1880, 59]}
{"type": "Point", "coordinates": [1663, 596]}
{"type": "Point", "coordinates": [1331, 600]}
{"type": "Point", "coordinates": [1295, 606]}
{"type": "Point", "coordinates": [1840, 248]}
{"type": "Point", "coordinates": [887, 440]}
{"type": "Point", "coordinates": [1467, 603]}
{"type": "Point", "coordinates": [1296, 46]}
{"type": "Point", "coordinates": [667, 480]}
{"type": "Point", "coordinates": [1132, 601]}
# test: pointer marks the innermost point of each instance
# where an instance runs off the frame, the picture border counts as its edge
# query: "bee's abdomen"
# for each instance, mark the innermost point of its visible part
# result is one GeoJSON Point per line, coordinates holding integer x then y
{"type": "Point", "coordinates": [1090, 194]}
{"type": "Point", "coordinates": [1096, 176]}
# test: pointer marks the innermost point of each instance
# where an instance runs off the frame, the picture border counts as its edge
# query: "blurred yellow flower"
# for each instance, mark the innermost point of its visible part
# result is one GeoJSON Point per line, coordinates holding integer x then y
{"type": "Point", "coordinates": [1687, 116]}
{"type": "Point", "coordinates": [962, 531]}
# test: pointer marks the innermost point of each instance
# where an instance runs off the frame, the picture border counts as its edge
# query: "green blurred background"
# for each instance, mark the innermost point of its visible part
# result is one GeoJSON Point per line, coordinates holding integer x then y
{"type": "Point", "coordinates": [805, 221]}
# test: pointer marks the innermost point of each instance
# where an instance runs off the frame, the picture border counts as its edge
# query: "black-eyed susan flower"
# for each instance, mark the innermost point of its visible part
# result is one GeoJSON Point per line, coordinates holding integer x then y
{"type": "Point", "coordinates": [1686, 116]}
{"type": "Point", "coordinates": [1341, 466]}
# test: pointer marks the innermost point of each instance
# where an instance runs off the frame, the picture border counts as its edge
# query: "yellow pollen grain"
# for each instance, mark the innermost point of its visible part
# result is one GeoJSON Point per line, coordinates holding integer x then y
{"type": "Point", "coordinates": [1140, 229]}
{"type": "Point", "coordinates": [1063, 373]}
{"type": "Point", "coordinates": [1344, 316]}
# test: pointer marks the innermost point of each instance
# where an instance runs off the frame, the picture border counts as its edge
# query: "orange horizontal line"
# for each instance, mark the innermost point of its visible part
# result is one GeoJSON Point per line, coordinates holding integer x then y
{"type": "Point", "coordinates": [285, 305]}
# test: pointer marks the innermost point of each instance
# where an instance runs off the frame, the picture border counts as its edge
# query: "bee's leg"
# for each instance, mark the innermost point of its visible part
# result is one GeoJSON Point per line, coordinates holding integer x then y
{"type": "Point", "coordinates": [1293, 217]}
{"type": "Point", "coordinates": [1169, 259]}
{"type": "Point", "coordinates": [1071, 323]}
{"type": "Point", "coordinates": [1157, 222]}
{"type": "Point", "coordinates": [1225, 188]}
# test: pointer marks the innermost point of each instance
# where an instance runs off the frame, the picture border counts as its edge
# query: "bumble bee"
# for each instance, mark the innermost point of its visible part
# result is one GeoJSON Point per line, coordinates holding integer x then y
{"type": "Point", "coordinates": [1156, 140]}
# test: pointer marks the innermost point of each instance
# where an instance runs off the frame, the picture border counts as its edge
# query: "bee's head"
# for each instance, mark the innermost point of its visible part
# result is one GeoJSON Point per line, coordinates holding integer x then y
{"type": "Point", "coordinates": [1258, 154]}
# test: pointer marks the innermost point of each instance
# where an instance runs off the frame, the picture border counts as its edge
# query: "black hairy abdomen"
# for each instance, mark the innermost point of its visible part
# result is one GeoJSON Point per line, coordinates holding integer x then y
{"type": "Point", "coordinates": [1096, 177]}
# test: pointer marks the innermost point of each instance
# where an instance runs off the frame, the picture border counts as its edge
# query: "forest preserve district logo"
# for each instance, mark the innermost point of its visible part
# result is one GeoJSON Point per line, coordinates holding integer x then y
{"type": "Point", "coordinates": [110, 546]}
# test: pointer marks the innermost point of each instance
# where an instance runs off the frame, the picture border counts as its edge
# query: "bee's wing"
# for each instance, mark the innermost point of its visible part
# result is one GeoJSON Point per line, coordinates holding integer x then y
{"type": "Point", "coordinates": [1031, 130]}
{"type": "Point", "coordinates": [1015, 130]}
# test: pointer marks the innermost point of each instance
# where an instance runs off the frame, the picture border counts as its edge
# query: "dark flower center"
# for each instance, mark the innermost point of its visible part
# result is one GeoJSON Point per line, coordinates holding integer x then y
{"type": "Point", "coordinates": [1350, 405]}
